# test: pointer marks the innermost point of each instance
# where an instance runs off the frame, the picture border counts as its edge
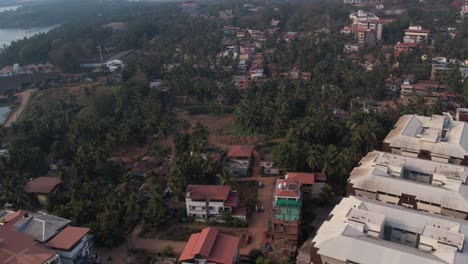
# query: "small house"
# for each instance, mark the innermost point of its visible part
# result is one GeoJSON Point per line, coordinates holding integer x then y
{"type": "Point", "coordinates": [239, 160]}
{"type": "Point", "coordinates": [43, 188]}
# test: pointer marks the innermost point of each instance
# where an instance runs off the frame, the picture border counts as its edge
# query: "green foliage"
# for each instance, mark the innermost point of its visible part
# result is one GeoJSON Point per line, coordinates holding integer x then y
{"type": "Point", "coordinates": [326, 196]}
{"type": "Point", "coordinates": [168, 251]}
{"type": "Point", "coordinates": [255, 254]}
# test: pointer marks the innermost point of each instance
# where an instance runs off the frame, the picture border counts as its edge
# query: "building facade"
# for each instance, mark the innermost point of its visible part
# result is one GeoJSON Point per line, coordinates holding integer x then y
{"type": "Point", "coordinates": [213, 202]}
{"type": "Point", "coordinates": [366, 231]}
{"type": "Point", "coordinates": [438, 138]}
{"type": "Point", "coordinates": [423, 185]}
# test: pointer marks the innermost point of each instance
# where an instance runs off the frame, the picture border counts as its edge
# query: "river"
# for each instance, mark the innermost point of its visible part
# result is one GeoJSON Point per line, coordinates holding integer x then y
{"type": "Point", "coordinates": [7, 35]}
{"type": "Point", "coordinates": [4, 111]}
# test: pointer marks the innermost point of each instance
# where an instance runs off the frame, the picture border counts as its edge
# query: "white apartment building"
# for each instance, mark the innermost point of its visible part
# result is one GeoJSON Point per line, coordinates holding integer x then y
{"type": "Point", "coordinates": [438, 137]}
{"type": "Point", "coordinates": [366, 231]}
{"type": "Point", "coordinates": [210, 202]}
{"type": "Point", "coordinates": [415, 34]}
{"type": "Point", "coordinates": [366, 20]}
{"type": "Point", "coordinates": [424, 185]}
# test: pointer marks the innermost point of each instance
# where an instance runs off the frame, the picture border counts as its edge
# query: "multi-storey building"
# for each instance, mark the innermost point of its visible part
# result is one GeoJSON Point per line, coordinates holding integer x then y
{"type": "Point", "coordinates": [239, 160]}
{"type": "Point", "coordinates": [211, 202]}
{"type": "Point", "coordinates": [286, 219]}
{"type": "Point", "coordinates": [438, 138]}
{"type": "Point", "coordinates": [311, 183]}
{"type": "Point", "coordinates": [363, 20]}
{"type": "Point", "coordinates": [366, 231]}
{"type": "Point", "coordinates": [424, 185]}
{"type": "Point", "coordinates": [416, 34]}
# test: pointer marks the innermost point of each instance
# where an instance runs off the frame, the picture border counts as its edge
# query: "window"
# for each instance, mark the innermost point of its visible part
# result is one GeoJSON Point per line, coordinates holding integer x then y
{"type": "Point", "coordinates": [210, 208]}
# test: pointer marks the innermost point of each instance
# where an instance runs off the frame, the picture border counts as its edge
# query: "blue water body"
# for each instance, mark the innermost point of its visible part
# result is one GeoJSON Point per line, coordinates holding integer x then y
{"type": "Point", "coordinates": [4, 111]}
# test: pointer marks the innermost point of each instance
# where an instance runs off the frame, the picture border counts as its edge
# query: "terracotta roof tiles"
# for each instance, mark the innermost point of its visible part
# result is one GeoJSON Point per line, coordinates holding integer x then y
{"type": "Point", "coordinates": [208, 192]}
{"type": "Point", "coordinates": [212, 246]}
{"type": "Point", "coordinates": [42, 185]}
{"type": "Point", "coordinates": [68, 237]}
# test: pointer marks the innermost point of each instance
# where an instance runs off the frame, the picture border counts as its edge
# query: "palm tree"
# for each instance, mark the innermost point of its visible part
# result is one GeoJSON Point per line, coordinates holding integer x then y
{"type": "Point", "coordinates": [155, 213]}
{"type": "Point", "coordinates": [315, 157]}
{"type": "Point", "coordinates": [225, 178]}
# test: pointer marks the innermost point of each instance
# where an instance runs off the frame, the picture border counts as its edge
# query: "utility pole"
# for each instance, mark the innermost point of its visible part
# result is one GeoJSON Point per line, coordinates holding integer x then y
{"type": "Point", "coordinates": [100, 52]}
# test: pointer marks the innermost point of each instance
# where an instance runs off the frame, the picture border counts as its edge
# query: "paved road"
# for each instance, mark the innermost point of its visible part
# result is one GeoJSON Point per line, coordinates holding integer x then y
{"type": "Point", "coordinates": [258, 222]}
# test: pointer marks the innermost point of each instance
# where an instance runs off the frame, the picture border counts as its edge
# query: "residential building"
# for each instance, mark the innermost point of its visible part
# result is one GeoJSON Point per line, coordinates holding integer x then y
{"type": "Point", "coordinates": [19, 248]}
{"type": "Point", "coordinates": [212, 202]}
{"type": "Point", "coordinates": [239, 160]}
{"type": "Point", "coordinates": [286, 219]}
{"type": "Point", "coordinates": [211, 246]}
{"type": "Point", "coordinates": [268, 166]}
{"type": "Point", "coordinates": [404, 48]}
{"type": "Point", "coordinates": [351, 47]}
{"type": "Point", "coordinates": [363, 20]}
{"type": "Point", "coordinates": [426, 88]}
{"type": "Point", "coordinates": [438, 137]}
{"type": "Point", "coordinates": [393, 85]}
{"type": "Point", "coordinates": [72, 244]}
{"type": "Point", "coordinates": [311, 183]}
{"type": "Point", "coordinates": [424, 185]}
{"type": "Point", "coordinates": [366, 231]}
{"type": "Point", "coordinates": [190, 7]}
{"type": "Point", "coordinates": [366, 37]}
{"type": "Point", "coordinates": [41, 226]}
{"type": "Point", "coordinates": [43, 187]}
{"type": "Point", "coordinates": [416, 34]}
{"type": "Point", "coordinates": [395, 10]}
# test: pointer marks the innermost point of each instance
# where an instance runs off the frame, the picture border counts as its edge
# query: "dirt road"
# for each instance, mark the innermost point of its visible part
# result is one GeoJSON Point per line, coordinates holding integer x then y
{"type": "Point", "coordinates": [24, 98]}
{"type": "Point", "coordinates": [258, 222]}
{"type": "Point", "coordinates": [120, 254]}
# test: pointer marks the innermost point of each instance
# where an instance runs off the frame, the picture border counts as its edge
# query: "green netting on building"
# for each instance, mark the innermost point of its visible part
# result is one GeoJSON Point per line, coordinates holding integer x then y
{"type": "Point", "coordinates": [288, 203]}
{"type": "Point", "coordinates": [287, 214]}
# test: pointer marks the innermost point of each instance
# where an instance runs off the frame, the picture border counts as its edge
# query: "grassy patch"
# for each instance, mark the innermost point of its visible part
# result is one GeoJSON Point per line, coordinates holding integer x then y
{"type": "Point", "coordinates": [235, 130]}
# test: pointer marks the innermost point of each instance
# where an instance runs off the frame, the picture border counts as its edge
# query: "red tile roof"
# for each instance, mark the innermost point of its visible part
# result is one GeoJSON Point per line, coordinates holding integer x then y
{"type": "Point", "coordinates": [68, 237]}
{"type": "Point", "coordinates": [305, 178]}
{"type": "Point", "coordinates": [240, 151]}
{"type": "Point", "coordinates": [208, 192]}
{"type": "Point", "coordinates": [406, 45]}
{"type": "Point", "coordinates": [212, 246]}
{"type": "Point", "coordinates": [18, 248]}
{"type": "Point", "coordinates": [42, 185]}
{"type": "Point", "coordinates": [232, 200]}
{"type": "Point", "coordinates": [288, 188]}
